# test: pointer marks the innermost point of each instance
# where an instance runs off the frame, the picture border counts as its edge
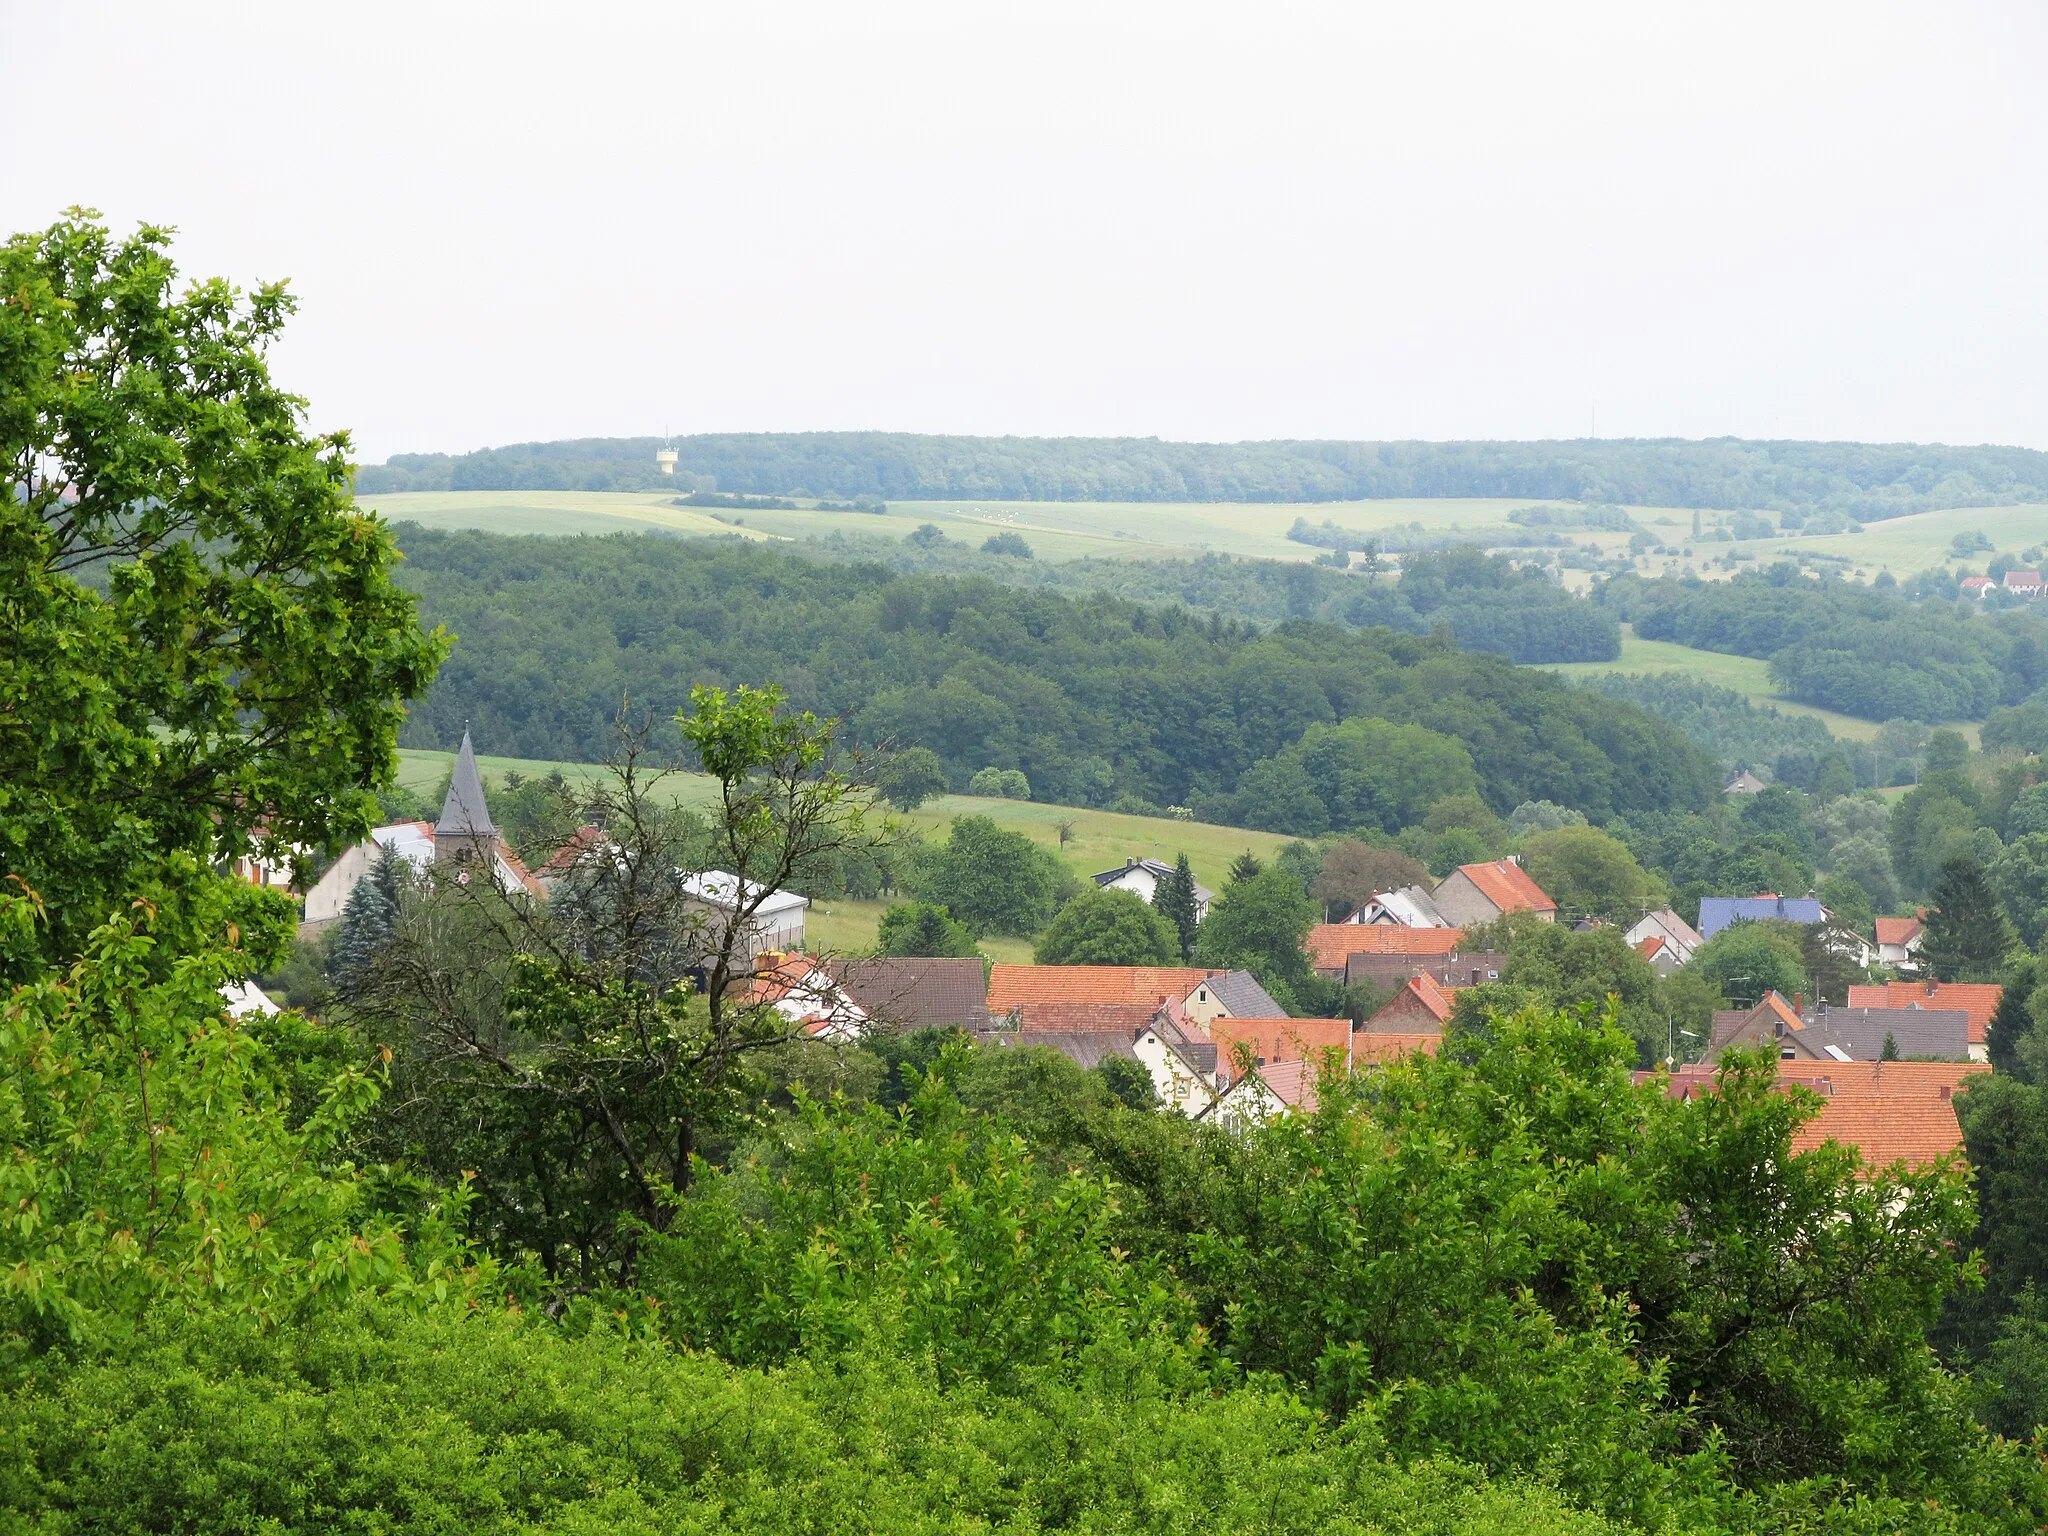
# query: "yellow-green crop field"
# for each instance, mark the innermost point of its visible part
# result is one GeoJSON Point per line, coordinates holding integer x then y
{"type": "Point", "coordinates": [1097, 840]}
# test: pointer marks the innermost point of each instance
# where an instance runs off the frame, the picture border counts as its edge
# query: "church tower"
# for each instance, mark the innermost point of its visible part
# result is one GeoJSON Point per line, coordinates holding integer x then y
{"type": "Point", "coordinates": [464, 834]}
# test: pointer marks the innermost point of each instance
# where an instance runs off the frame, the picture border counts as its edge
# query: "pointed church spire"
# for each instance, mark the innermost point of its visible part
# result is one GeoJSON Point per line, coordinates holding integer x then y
{"type": "Point", "coordinates": [464, 813]}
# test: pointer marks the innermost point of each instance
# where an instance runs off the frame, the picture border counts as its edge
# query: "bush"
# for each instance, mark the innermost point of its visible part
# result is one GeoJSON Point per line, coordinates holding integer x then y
{"type": "Point", "coordinates": [1000, 784]}
{"type": "Point", "coordinates": [1108, 927]}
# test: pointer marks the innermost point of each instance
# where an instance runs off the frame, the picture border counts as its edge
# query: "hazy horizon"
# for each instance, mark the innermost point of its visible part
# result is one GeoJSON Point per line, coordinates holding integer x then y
{"type": "Point", "coordinates": [1210, 223]}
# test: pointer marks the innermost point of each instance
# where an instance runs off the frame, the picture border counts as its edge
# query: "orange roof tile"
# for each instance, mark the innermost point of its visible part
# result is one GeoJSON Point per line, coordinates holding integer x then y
{"type": "Point", "coordinates": [1897, 930]}
{"type": "Point", "coordinates": [1433, 996]}
{"type": "Point", "coordinates": [1649, 947]}
{"type": "Point", "coordinates": [570, 854]}
{"type": "Point", "coordinates": [1125, 1019]}
{"type": "Point", "coordinates": [1978, 999]}
{"type": "Point", "coordinates": [1329, 945]}
{"type": "Point", "coordinates": [1888, 1110]}
{"type": "Point", "coordinates": [1508, 886]}
{"type": "Point", "coordinates": [1276, 1040]}
{"type": "Point", "coordinates": [1010, 985]}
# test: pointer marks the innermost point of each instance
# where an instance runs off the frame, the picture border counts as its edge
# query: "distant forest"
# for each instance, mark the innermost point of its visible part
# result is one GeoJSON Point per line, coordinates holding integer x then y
{"type": "Point", "coordinates": [1860, 480]}
{"type": "Point", "coordinates": [1096, 700]}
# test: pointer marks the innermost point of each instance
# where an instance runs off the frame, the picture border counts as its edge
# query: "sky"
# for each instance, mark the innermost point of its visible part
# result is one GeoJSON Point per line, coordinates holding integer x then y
{"type": "Point", "coordinates": [1197, 221]}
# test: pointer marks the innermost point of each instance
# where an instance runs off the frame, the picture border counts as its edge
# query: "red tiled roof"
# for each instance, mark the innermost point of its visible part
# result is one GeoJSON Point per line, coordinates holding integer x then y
{"type": "Point", "coordinates": [566, 857]}
{"type": "Point", "coordinates": [1010, 985]}
{"type": "Point", "coordinates": [1888, 1110]}
{"type": "Point", "coordinates": [1329, 945]}
{"type": "Point", "coordinates": [1276, 1040]}
{"type": "Point", "coordinates": [1897, 930]}
{"type": "Point", "coordinates": [1508, 886]}
{"type": "Point", "coordinates": [1978, 999]}
{"type": "Point", "coordinates": [1293, 1083]}
{"type": "Point", "coordinates": [1649, 947]}
{"type": "Point", "coordinates": [2023, 578]}
{"type": "Point", "coordinates": [1071, 1018]}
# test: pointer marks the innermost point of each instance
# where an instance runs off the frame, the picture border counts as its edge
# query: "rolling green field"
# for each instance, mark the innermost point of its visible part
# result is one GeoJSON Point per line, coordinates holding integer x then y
{"type": "Point", "coordinates": [1055, 530]}
{"type": "Point", "coordinates": [1058, 530]}
{"type": "Point", "coordinates": [1746, 675]}
{"type": "Point", "coordinates": [1098, 840]}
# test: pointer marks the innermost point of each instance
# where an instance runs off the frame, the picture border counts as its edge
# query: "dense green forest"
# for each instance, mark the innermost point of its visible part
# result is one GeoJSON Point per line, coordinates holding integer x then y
{"type": "Point", "coordinates": [1739, 732]}
{"type": "Point", "coordinates": [1847, 647]}
{"type": "Point", "coordinates": [1860, 480]}
{"type": "Point", "coordinates": [1098, 701]}
{"type": "Point", "coordinates": [1486, 602]}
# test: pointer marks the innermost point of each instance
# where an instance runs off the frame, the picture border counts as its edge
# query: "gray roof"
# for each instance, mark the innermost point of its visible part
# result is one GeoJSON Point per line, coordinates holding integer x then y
{"type": "Point", "coordinates": [1942, 1034]}
{"type": "Point", "coordinates": [917, 993]}
{"type": "Point", "coordinates": [1241, 994]}
{"type": "Point", "coordinates": [464, 813]}
{"type": "Point", "coordinates": [1083, 1047]}
{"type": "Point", "coordinates": [1198, 1051]}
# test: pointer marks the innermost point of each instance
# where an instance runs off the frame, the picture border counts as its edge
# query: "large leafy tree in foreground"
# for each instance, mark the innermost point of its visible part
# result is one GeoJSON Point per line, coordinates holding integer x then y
{"type": "Point", "coordinates": [202, 650]}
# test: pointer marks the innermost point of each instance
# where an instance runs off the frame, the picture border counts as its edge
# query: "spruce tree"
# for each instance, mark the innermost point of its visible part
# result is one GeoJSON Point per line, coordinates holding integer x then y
{"type": "Point", "coordinates": [1967, 935]}
{"type": "Point", "coordinates": [367, 923]}
{"type": "Point", "coordinates": [1245, 867]}
{"type": "Point", "coordinates": [2012, 1021]}
{"type": "Point", "coordinates": [1174, 899]}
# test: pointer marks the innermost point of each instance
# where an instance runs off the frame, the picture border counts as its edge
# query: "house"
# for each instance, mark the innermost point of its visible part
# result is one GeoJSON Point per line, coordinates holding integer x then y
{"type": "Point", "coordinates": [1231, 995]}
{"type": "Point", "coordinates": [773, 920]}
{"type": "Point", "coordinates": [1890, 1111]}
{"type": "Point", "coordinates": [1331, 945]}
{"type": "Point", "coordinates": [1010, 985]}
{"type": "Point", "coordinates": [1263, 1096]}
{"type": "Point", "coordinates": [1409, 907]}
{"type": "Point", "coordinates": [1070, 1017]}
{"type": "Point", "coordinates": [916, 993]}
{"type": "Point", "coordinates": [2025, 583]}
{"type": "Point", "coordinates": [1182, 1063]}
{"type": "Point", "coordinates": [1718, 912]}
{"type": "Point", "coordinates": [1664, 939]}
{"type": "Point", "coordinates": [1744, 783]}
{"type": "Point", "coordinates": [1845, 1034]}
{"type": "Point", "coordinates": [1974, 586]}
{"type": "Point", "coordinates": [1141, 877]}
{"type": "Point", "coordinates": [1420, 1007]}
{"type": "Point", "coordinates": [1977, 999]}
{"type": "Point", "coordinates": [1479, 893]}
{"type": "Point", "coordinates": [1898, 942]}
{"type": "Point", "coordinates": [244, 999]}
{"type": "Point", "coordinates": [1461, 968]}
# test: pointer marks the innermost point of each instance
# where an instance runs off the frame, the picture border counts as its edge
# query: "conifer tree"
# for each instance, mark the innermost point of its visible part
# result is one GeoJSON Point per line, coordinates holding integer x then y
{"type": "Point", "coordinates": [1967, 935]}
{"type": "Point", "coordinates": [1245, 867]}
{"type": "Point", "coordinates": [367, 923]}
{"type": "Point", "coordinates": [1174, 899]}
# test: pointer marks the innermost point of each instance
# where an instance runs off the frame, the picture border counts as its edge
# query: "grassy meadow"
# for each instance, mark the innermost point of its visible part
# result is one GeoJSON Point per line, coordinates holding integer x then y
{"type": "Point", "coordinates": [1097, 840]}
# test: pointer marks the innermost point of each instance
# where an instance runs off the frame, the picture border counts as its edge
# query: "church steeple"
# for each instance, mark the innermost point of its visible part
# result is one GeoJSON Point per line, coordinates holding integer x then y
{"type": "Point", "coordinates": [464, 833]}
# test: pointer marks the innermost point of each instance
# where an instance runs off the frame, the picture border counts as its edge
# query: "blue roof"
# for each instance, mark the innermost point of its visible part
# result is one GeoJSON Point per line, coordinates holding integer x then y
{"type": "Point", "coordinates": [1717, 912]}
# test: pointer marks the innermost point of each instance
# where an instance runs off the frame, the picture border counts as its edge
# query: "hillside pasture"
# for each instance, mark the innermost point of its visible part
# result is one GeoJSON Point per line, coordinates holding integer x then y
{"type": "Point", "coordinates": [1746, 675]}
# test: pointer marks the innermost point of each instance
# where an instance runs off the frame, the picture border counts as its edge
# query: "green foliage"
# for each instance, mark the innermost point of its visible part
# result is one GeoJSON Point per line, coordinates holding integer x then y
{"type": "Point", "coordinates": [991, 880]}
{"type": "Point", "coordinates": [206, 651]}
{"type": "Point", "coordinates": [1745, 960]}
{"type": "Point", "coordinates": [1967, 936]}
{"type": "Point", "coordinates": [409, 1428]}
{"type": "Point", "coordinates": [1011, 544]}
{"type": "Point", "coordinates": [536, 816]}
{"type": "Point", "coordinates": [1108, 927]}
{"type": "Point", "coordinates": [1550, 965]}
{"type": "Point", "coordinates": [1175, 900]}
{"type": "Point", "coordinates": [1361, 773]}
{"type": "Point", "coordinates": [156, 1165]}
{"type": "Point", "coordinates": [1000, 784]}
{"type": "Point", "coordinates": [1258, 925]}
{"type": "Point", "coordinates": [1586, 871]}
{"type": "Point", "coordinates": [368, 920]}
{"type": "Point", "coordinates": [909, 778]}
{"type": "Point", "coordinates": [919, 928]}
{"type": "Point", "coordinates": [1931, 826]}
{"type": "Point", "coordinates": [1353, 872]}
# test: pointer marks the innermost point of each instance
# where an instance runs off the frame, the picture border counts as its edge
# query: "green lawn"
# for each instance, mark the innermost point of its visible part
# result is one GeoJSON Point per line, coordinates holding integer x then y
{"type": "Point", "coordinates": [1097, 840]}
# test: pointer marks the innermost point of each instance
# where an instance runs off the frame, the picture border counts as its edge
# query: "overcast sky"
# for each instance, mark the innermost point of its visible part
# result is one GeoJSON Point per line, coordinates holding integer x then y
{"type": "Point", "coordinates": [1196, 221]}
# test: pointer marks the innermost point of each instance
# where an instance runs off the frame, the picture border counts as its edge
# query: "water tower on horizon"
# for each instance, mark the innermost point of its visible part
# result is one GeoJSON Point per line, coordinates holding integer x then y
{"type": "Point", "coordinates": [665, 458]}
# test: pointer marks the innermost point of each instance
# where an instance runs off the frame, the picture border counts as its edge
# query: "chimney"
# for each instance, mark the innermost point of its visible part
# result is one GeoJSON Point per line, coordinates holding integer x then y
{"type": "Point", "coordinates": [1931, 986]}
{"type": "Point", "coordinates": [1799, 1004]}
{"type": "Point", "coordinates": [1947, 1090]}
